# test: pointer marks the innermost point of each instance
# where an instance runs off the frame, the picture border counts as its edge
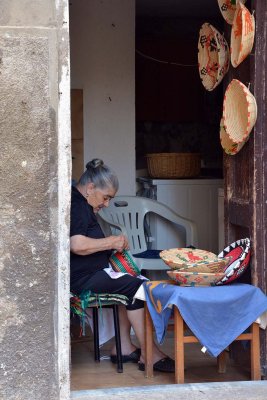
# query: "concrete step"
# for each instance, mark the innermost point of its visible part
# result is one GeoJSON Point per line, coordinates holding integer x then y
{"type": "Point", "coordinates": [249, 390]}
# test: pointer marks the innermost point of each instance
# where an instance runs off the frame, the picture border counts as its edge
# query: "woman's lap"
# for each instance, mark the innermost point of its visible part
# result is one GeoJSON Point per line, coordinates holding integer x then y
{"type": "Point", "coordinates": [126, 285]}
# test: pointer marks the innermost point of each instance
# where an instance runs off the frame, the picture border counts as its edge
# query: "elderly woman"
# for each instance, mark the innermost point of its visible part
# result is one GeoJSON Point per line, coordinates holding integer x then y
{"type": "Point", "coordinates": [89, 260]}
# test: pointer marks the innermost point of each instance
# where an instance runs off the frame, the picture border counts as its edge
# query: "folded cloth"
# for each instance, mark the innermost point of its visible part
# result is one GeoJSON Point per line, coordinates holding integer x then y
{"type": "Point", "coordinates": [215, 315]}
{"type": "Point", "coordinates": [148, 254]}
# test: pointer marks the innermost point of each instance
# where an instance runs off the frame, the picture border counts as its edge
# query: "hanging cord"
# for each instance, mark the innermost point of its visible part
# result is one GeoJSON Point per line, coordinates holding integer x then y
{"type": "Point", "coordinates": [164, 62]}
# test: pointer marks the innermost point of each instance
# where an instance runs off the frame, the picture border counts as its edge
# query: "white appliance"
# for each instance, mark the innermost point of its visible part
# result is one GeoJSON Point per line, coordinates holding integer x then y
{"type": "Point", "coordinates": [195, 199]}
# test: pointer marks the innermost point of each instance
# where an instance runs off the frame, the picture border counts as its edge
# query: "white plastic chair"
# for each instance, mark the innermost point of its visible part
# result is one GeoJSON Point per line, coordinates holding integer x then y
{"type": "Point", "coordinates": [128, 215]}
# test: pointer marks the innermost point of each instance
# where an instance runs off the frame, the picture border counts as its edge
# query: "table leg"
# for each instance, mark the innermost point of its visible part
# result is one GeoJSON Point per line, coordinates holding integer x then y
{"type": "Point", "coordinates": [179, 346]}
{"type": "Point", "coordinates": [148, 344]}
{"type": "Point", "coordinates": [221, 362]}
{"type": "Point", "coordinates": [255, 353]}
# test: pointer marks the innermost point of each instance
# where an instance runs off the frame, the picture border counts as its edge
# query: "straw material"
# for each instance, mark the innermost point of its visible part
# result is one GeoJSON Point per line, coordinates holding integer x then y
{"type": "Point", "coordinates": [239, 111]}
{"type": "Point", "coordinates": [228, 8]}
{"type": "Point", "coordinates": [213, 56]}
{"type": "Point", "coordinates": [185, 278]}
{"type": "Point", "coordinates": [242, 35]}
{"type": "Point", "coordinates": [123, 262]}
{"type": "Point", "coordinates": [231, 148]}
{"type": "Point", "coordinates": [194, 260]}
{"type": "Point", "coordinates": [173, 165]}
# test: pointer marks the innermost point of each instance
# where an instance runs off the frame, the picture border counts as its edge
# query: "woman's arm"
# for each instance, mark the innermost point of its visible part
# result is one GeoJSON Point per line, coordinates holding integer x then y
{"type": "Point", "coordinates": [83, 245]}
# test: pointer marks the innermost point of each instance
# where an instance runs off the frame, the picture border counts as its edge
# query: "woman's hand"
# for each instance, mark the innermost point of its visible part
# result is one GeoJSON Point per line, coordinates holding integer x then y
{"type": "Point", "coordinates": [83, 245]}
{"type": "Point", "coordinates": [119, 243]}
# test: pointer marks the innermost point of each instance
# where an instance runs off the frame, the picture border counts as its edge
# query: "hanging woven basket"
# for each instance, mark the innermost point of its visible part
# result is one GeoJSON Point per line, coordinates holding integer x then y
{"type": "Point", "coordinates": [242, 35]}
{"type": "Point", "coordinates": [231, 148]}
{"type": "Point", "coordinates": [213, 56]}
{"type": "Point", "coordinates": [239, 111]}
{"type": "Point", "coordinates": [228, 8]}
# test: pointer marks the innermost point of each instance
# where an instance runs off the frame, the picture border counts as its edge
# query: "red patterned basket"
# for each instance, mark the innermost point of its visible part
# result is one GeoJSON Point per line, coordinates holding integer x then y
{"type": "Point", "coordinates": [242, 35]}
{"type": "Point", "coordinates": [213, 56]}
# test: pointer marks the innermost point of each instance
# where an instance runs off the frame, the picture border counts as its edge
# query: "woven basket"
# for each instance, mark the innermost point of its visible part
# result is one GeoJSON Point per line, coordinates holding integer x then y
{"type": "Point", "coordinates": [185, 278]}
{"type": "Point", "coordinates": [231, 148]}
{"type": "Point", "coordinates": [242, 35]}
{"type": "Point", "coordinates": [228, 8]}
{"type": "Point", "coordinates": [239, 111]}
{"type": "Point", "coordinates": [213, 56]}
{"type": "Point", "coordinates": [173, 165]}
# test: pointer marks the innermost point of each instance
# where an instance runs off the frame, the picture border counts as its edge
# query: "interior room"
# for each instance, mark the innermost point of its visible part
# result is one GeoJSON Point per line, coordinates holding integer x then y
{"type": "Point", "coordinates": [135, 91]}
{"type": "Point", "coordinates": [174, 112]}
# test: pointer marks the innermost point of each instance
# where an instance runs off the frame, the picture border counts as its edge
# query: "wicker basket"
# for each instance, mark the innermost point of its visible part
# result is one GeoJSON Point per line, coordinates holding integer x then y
{"type": "Point", "coordinates": [239, 111]}
{"type": "Point", "coordinates": [173, 165]}
{"type": "Point", "coordinates": [213, 56]}
{"type": "Point", "coordinates": [228, 9]}
{"type": "Point", "coordinates": [228, 145]}
{"type": "Point", "coordinates": [242, 35]}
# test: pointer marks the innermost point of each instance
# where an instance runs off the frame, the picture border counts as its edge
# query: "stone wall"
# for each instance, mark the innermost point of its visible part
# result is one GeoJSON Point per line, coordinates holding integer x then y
{"type": "Point", "coordinates": [34, 176]}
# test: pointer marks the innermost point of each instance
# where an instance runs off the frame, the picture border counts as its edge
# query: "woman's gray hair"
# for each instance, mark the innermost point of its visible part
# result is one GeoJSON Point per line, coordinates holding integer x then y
{"type": "Point", "coordinates": [100, 175]}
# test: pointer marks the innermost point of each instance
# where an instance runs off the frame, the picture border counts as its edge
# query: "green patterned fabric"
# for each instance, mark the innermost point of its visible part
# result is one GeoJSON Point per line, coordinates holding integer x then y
{"type": "Point", "coordinates": [78, 304]}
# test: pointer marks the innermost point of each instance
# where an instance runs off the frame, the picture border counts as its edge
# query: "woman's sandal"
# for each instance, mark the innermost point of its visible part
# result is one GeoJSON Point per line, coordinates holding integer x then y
{"type": "Point", "coordinates": [133, 357]}
{"type": "Point", "coordinates": [166, 364]}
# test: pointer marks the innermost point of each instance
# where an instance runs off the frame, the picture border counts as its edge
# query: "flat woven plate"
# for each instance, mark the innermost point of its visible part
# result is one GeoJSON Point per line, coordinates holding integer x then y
{"type": "Point", "coordinates": [180, 258]}
{"type": "Point", "coordinates": [184, 278]}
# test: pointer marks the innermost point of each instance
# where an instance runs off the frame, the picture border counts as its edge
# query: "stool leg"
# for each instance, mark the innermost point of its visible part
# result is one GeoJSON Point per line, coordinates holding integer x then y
{"type": "Point", "coordinates": [255, 353]}
{"type": "Point", "coordinates": [221, 362]}
{"type": "Point", "coordinates": [117, 337]}
{"type": "Point", "coordinates": [179, 346]}
{"type": "Point", "coordinates": [96, 334]}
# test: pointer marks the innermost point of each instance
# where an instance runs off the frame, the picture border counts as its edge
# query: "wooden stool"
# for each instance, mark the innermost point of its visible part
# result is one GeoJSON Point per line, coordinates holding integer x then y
{"type": "Point", "coordinates": [115, 309]}
{"type": "Point", "coordinates": [180, 340]}
{"type": "Point", "coordinates": [95, 301]}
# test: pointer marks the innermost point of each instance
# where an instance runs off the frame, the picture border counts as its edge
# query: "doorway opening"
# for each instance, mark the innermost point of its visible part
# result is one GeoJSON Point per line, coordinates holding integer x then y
{"type": "Point", "coordinates": [173, 113]}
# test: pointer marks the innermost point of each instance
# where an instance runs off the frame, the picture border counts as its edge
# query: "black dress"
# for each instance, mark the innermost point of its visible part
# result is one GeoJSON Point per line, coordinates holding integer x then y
{"type": "Point", "coordinates": [87, 272]}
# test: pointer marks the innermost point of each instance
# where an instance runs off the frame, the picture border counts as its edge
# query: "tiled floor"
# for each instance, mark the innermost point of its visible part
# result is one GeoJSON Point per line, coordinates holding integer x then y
{"type": "Point", "coordinates": [87, 374]}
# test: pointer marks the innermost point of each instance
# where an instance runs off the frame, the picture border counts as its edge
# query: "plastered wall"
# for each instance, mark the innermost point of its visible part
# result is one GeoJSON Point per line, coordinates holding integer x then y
{"type": "Point", "coordinates": [102, 38]}
{"type": "Point", "coordinates": [35, 172]}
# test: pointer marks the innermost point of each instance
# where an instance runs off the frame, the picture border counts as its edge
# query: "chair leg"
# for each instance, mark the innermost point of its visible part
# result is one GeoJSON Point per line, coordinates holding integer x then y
{"type": "Point", "coordinates": [96, 334]}
{"type": "Point", "coordinates": [117, 337]}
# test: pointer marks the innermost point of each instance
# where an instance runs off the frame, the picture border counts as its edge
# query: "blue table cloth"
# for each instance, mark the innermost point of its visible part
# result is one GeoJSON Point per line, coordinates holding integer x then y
{"type": "Point", "coordinates": [215, 315]}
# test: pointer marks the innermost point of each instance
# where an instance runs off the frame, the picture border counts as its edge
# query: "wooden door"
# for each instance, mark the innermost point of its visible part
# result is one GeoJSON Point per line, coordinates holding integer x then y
{"type": "Point", "coordinates": [245, 173]}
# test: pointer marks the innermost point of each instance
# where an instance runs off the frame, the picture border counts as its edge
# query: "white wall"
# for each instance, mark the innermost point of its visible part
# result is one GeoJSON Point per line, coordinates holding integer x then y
{"type": "Point", "coordinates": [102, 36]}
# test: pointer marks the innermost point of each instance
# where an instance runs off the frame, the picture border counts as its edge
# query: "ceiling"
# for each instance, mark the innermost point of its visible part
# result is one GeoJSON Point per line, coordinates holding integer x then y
{"type": "Point", "coordinates": [177, 8]}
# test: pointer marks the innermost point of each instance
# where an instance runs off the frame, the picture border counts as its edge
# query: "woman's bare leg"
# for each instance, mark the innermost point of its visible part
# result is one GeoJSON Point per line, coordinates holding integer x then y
{"type": "Point", "coordinates": [125, 329]}
{"type": "Point", "coordinates": [136, 319]}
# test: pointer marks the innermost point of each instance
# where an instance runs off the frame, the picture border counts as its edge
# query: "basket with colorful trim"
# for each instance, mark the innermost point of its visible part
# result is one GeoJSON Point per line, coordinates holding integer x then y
{"type": "Point", "coordinates": [123, 262]}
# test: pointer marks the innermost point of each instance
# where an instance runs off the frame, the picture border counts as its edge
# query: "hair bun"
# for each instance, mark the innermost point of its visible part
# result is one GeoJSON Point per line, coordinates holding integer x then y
{"type": "Point", "coordinates": [95, 163]}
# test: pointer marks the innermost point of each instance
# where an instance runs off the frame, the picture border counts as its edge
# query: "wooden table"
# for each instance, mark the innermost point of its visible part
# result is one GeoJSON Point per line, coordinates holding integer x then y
{"type": "Point", "coordinates": [180, 340]}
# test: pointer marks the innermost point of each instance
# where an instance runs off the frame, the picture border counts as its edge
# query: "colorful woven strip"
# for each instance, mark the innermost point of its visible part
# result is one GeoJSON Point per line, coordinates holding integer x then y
{"type": "Point", "coordinates": [78, 304]}
{"type": "Point", "coordinates": [123, 262]}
